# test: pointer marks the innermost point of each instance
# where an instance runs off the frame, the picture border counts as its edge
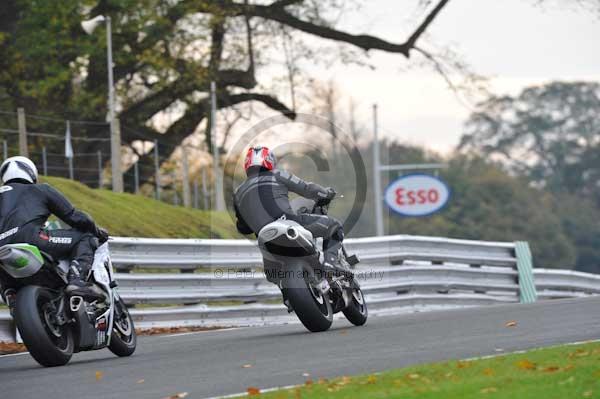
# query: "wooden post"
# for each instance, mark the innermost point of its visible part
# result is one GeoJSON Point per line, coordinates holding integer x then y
{"type": "Point", "coordinates": [156, 170]}
{"type": "Point", "coordinates": [196, 193]}
{"type": "Point", "coordinates": [205, 193]}
{"type": "Point", "coordinates": [136, 177]}
{"type": "Point", "coordinates": [115, 152]}
{"type": "Point", "coordinates": [23, 150]}
{"type": "Point", "coordinates": [100, 169]}
{"type": "Point", "coordinates": [45, 161]}
{"type": "Point", "coordinates": [187, 201]}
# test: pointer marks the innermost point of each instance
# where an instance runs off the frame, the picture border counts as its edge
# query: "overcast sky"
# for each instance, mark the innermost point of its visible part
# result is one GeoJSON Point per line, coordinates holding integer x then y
{"type": "Point", "coordinates": [513, 42]}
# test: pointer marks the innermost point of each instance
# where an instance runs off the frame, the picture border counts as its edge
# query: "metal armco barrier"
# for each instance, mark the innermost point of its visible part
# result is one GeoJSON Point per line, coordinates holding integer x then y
{"type": "Point", "coordinates": [226, 286]}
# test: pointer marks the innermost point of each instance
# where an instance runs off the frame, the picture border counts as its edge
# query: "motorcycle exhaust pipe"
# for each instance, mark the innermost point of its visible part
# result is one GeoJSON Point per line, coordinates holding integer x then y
{"type": "Point", "coordinates": [291, 233]}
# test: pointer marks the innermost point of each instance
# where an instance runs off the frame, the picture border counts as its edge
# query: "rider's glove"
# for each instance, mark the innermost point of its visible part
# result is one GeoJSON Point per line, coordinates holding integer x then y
{"type": "Point", "coordinates": [102, 235]}
{"type": "Point", "coordinates": [331, 193]}
{"type": "Point", "coordinates": [325, 198]}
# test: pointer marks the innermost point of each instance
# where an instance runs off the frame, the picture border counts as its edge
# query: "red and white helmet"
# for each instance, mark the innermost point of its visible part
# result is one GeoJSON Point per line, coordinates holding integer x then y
{"type": "Point", "coordinates": [260, 156]}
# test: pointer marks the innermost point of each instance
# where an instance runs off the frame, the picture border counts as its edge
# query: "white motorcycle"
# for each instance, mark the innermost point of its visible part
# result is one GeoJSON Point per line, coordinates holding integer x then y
{"type": "Point", "coordinates": [53, 325]}
{"type": "Point", "coordinates": [292, 261]}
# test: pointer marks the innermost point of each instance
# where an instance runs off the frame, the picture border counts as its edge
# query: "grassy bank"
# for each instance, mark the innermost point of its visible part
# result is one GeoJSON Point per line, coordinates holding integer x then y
{"type": "Point", "coordinates": [139, 216]}
{"type": "Point", "coordinates": [560, 372]}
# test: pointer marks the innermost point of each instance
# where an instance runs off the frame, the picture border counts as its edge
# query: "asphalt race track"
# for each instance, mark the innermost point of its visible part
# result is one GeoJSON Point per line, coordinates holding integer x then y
{"type": "Point", "coordinates": [216, 363]}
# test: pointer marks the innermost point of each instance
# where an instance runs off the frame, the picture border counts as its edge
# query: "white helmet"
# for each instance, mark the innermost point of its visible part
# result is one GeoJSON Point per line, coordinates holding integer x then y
{"type": "Point", "coordinates": [18, 168]}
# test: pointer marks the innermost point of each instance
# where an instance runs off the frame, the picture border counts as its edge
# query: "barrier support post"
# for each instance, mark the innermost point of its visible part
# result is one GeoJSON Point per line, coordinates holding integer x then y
{"type": "Point", "coordinates": [527, 290]}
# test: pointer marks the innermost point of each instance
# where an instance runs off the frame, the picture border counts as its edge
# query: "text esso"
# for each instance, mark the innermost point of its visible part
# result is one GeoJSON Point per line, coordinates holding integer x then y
{"type": "Point", "coordinates": [417, 195]}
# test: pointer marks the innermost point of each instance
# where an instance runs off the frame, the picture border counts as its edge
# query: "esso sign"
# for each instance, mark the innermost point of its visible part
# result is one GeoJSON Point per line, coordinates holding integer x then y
{"type": "Point", "coordinates": [417, 195]}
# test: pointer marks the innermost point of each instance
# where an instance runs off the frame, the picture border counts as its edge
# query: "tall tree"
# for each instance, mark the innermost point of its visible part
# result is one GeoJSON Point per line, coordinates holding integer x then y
{"type": "Point", "coordinates": [549, 133]}
{"type": "Point", "coordinates": [166, 54]}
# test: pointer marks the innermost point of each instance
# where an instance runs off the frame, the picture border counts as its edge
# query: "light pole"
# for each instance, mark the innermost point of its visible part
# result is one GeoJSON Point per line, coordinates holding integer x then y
{"type": "Point", "coordinates": [219, 198]}
{"type": "Point", "coordinates": [115, 132]}
{"type": "Point", "coordinates": [377, 176]}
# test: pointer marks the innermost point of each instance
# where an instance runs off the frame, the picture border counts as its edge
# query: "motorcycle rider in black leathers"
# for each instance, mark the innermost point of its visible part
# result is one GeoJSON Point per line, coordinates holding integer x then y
{"type": "Point", "coordinates": [263, 198]}
{"type": "Point", "coordinates": [24, 209]}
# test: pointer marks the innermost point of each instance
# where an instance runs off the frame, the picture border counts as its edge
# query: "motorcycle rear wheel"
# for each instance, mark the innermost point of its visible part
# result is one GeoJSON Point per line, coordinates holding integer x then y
{"type": "Point", "coordinates": [311, 306]}
{"type": "Point", "coordinates": [49, 344]}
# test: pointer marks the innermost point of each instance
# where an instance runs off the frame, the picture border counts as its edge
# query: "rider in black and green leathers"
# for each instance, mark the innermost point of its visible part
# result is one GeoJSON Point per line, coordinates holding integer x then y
{"type": "Point", "coordinates": [24, 209]}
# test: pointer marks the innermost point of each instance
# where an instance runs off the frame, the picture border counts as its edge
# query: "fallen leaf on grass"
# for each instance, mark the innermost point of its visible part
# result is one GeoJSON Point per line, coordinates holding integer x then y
{"type": "Point", "coordinates": [579, 353]}
{"type": "Point", "coordinates": [463, 365]}
{"type": "Point", "coordinates": [252, 391]}
{"type": "Point", "coordinates": [344, 381]}
{"type": "Point", "coordinates": [99, 375]}
{"type": "Point", "coordinates": [489, 372]}
{"type": "Point", "coordinates": [414, 376]}
{"type": "Point", "coordinates": [526, 365]}
{"type": "Point", "coordinates": [587, 394]}
{"type": "Point", "coordinates": [371, 379]}
{"type": "Point", "coordinates": [489, 390]}
{"type": "Point", "coordinates": [308, 382]}
{"type": "Point", "coordinates": [511, 323]}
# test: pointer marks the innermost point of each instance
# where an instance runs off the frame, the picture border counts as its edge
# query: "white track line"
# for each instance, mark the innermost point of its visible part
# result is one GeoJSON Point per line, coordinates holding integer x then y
{"type": "Point", "coordinates": [520, 352]}
{"type": "Point", "coordinates": [242, 394]}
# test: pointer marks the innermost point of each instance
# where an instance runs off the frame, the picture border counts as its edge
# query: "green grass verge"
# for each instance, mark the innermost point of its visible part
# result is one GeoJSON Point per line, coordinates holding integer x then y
{"type": "Point", "coordinates": [560, 372]}
{"type": "Point", "coordinates": [139, 216]}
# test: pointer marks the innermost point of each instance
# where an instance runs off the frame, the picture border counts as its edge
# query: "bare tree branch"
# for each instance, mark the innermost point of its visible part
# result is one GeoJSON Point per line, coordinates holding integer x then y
{"type": "Point", "coordinates": [366, 42]}
{"type": "Point", "coordinates": [284, 3]}
{"type": "Point", "coordinates": [412, 40]}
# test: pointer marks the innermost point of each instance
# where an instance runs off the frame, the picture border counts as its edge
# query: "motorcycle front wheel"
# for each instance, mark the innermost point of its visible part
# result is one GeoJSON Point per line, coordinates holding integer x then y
{"type": "Point", "coordinates": [123, 340]}
{"type": "Point", "coordinates": [48, 343]}
{"type": "Point", "coordinates": [311, 306]}
{"type": "Point", "coordinates": [356, 312]}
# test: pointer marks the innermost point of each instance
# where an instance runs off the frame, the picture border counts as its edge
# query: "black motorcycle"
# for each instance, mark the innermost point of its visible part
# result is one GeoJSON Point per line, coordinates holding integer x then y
{"type": "Point", "coordinates": [291, 258]}
{"type": "Point", "coordinates": [53, 325]}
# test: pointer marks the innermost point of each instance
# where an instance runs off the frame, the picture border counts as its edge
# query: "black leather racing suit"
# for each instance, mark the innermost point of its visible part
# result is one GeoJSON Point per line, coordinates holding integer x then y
{"type": "Point", "coordinates": [263, 198]}
{"type": "Point", "coordinates": [25, 208]}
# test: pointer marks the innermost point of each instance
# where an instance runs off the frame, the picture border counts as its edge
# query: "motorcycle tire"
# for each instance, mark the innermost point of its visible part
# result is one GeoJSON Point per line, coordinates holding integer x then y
{"type": "Point", "coordinates": [312, 308]}
{"type": "Point", "coordinates": [356, 312]}
{"type": "Point", "coordinates": [50, 345]}
{"type": "Point", "coordinates": [123, 340]}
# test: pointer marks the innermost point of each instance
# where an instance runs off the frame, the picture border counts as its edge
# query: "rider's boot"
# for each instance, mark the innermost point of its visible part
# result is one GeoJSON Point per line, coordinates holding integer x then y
{"type": "Point", "coordinates": [10, 297]}
{"type": "Point", "coordinates": [334, 264]}
{"type": "Point", "coordinates": [286, 301]}
{"type": "Point", "coordinates": [78, 287]}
